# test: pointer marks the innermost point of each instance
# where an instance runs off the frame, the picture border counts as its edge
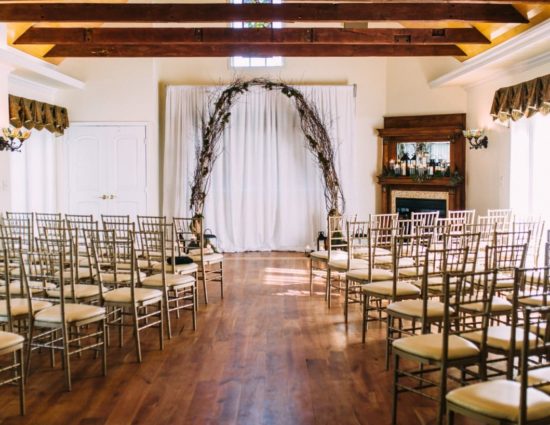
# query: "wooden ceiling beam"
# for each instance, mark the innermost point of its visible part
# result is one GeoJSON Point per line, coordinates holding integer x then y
{"type": "Point", "coordinates": [286, 12]}
{"type": "Point", "coordinates": [39, 35]}
{"type": "Point", "coordinates": [253, 50]}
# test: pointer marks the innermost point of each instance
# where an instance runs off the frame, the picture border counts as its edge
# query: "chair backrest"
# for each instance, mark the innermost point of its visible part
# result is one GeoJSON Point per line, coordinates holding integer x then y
{"type": "Point", "coordinates": [462, 216]}
{"type": "Point", "coordinates": [150, 222]}
{"type": "Point", "coordinates": [161, 244]}
{"type": "Point", "coordinates": [535, 225]}
{"type": "Point", "coordinates": [22, 216]}
{"type": "Point", "coordinates": [501, 215]}
{"type": "Point", "coordinates": [408, 226]}
{"type": "Point", "coordinates": [537, 322]}
{"type": "Point", "coordinates": [357, 237]}
{"type": "Point", "coordinates": [189, 233]}
{"type": "Point", "coordinates": [48, 225]}
{"type": "Point", "coordinates": [79, 218]}
{"type": "Point", "coordinates": [108, 219]}
{"type": "Point", "coordinates": [383, 220]}
{"type": "Point", "coordinates": [43, 219]}
{"type": "Point", "coordinates": [23, 228]}
{"type": "Point", "coordinates": [335, 233]}
{"type": "Point", "coordinates": [428, 218]}
{"type": "Point", "coordinates": [11, 252]}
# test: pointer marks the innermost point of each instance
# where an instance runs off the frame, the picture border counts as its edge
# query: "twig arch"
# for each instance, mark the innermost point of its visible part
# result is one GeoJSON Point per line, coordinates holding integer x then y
{"type": "Point", "coordinates": [318, 141]}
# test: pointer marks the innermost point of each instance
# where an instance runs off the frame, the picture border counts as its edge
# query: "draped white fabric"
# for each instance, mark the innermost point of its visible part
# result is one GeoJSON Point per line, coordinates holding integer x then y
{"type": "Point", "coordinates": [37, 173]}
{"type": "Point", "coordinates": [266, 191]}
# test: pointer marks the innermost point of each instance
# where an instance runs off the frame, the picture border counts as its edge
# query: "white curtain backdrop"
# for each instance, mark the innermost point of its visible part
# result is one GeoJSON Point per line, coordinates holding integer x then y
{"type": "Point", "coordinates": [266, 191]}
{"type": "Point", "coordinates": [37, 174]}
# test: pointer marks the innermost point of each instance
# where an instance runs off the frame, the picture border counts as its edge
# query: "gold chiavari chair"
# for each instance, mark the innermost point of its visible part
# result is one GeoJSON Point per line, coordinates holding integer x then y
{"type": "Point", "coordinates": [48, 220]}
{"type": "Point", "coordinates": [356, 239]}
{"type": "Point", "coordinates": [143, 305]}
{"type": "Point", "coordinates": [189, 235]}
{"type": "Point", "coordinates": [179, 290]}
{"type": "Point", "coordinates": [502, 215]}
{"type": "Point", "coordinates": [79, 218]}
{"type": "Point", "coordinates": [437, 354]}
{"type": "Point", "coordinates": [23, 219]}
{"type": "Point", "coordinates": [535, 225]}
{"type": "Point", "coordinates": [526, 402]}
{"type": "Point", "coordinates": [383, 220]}
{"type": "Point", "coordinates": [150, 222]}
{"type": "Point", "coordinates": [11, 310]}
{"type": "Point", "coordinates": [428, 218]}
{"type": "Point", "coordinates": [426, 310]}
{"type": "Point", "coordinates": [65, 327]}
{"type": "Point", "coordinates": [407, 267]}
{"type": "Point", "coordinates": [336, 246]}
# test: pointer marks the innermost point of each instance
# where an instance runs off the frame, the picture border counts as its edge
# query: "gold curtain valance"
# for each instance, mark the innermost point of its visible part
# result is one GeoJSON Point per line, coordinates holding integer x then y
{"type": "Point", "coordinates": [525, 99]}
{"type": "Point", "coordinates": [33, 114]}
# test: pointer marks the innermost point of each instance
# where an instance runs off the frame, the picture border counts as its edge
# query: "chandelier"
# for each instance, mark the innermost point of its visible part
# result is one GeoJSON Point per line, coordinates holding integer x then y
{"type": "Point", "coordinates": [11, 139]}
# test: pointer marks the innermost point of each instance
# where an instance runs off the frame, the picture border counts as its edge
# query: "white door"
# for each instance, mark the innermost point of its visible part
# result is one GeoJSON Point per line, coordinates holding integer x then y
{"type": "Point", "coordinates": [107, 169]}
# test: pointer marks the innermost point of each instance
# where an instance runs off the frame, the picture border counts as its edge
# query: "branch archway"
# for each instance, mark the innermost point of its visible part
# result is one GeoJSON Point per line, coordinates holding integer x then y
{"type": "Point", "coordinates": [317, 139]}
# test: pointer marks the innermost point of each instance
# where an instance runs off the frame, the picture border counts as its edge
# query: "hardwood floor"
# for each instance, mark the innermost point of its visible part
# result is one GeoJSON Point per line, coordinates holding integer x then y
{"type": "Point", "coordinates": [267, 354]}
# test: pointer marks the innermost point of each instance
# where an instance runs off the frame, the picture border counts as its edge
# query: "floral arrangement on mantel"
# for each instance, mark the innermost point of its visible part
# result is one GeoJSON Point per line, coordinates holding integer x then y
{"type": "Point", "coordinates": [455, 177]}
{"type": "Point", "coordinates": [317, 139]}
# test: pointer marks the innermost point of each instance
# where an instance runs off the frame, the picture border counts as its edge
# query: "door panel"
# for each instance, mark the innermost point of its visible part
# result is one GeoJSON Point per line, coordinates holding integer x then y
{"type": "Point", "coordinates": [107, 169]}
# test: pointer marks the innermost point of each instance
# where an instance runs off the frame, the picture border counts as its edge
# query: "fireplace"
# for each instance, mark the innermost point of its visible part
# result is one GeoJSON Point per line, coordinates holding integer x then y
{"type": "Point", "coordinates": [406, 206]}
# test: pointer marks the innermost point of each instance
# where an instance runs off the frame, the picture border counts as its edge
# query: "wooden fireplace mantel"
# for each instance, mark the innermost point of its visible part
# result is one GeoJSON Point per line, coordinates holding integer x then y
{"type": "Point", "coordinates": [432, 128]}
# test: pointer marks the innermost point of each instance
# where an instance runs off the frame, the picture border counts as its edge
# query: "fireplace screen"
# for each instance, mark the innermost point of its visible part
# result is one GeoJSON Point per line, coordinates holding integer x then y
{"type": "Point", "coordinates": [406, 206]}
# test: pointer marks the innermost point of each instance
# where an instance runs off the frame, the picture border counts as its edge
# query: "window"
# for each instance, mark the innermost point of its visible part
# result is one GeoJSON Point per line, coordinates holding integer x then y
{"type": "Point", "coordinates": [529, 168]}
{"type": "Point", "coordinates": [250, 62]}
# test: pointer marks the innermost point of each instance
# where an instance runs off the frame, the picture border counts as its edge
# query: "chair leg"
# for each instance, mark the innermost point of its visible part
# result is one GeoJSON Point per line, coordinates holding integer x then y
{"type": "Point", "coordinates": [161, 330]}
{"type": "Point", "coordinates": [203, 271]}
{"type": "Point", "coordinates": [103, 325]}
{"type": "Point", "coordinates": [21, 372]}
{"type": "Point", "coordinates": [310, 276]}
{"type": "Point", "coordinates": [389, 334]}
{"type": "Point", "coordinates": [195, 300]}
{"type": "Point", "coordinates": [394, 389]}
{"type": "Point", "coordinates": [450, 417]}
{"type": "Point", "coordinates": [167, 314]}
{"type": "Point", "coordinates": [221, 279]}
{"type": "Point", "coordinates": [442, 396]}
{"type": "Point", "coordinates": [329, 287]}
{"type": "Point", "coordinates": [346, 301]}
{"type": "Point", "coordinates": [364, 327]}
{"type": "Point", "coordinates": [66, 355]}
{"type": "Point", "coordinates": [136, 333]}
{"type": "Point", "coordinates": [29, 349]}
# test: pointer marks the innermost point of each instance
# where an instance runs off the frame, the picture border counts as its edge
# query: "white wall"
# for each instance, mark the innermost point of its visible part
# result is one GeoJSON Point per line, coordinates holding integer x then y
{"type": "Point", "coordinates": [489, 170]}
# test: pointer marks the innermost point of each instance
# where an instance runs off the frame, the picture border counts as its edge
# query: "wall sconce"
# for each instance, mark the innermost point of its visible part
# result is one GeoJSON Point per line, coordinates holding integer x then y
{"type": "Point", "coordinates": [11, 139]}
{"type": "Point", "coordinates": [476, 138]}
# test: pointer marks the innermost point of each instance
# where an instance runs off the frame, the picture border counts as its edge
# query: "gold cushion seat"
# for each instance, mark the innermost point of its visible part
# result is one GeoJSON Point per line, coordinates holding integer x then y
{"type": "Point", "coordinates": [121, 277]}
{"type": "Point", "coordinates": [83, 273]}
{"type": "Point", "coordinates": [34, 287]}
{"type": "Point", "coordinates": [175, 281]}
{"type": "Point", "coordinates": [208, 258]}
{"type": "Point", "coordinates": [498, 337]}
{"type": "Point", "coordinates": [81, 291]}
{"type": "Point", "coordinates": [413, 308]}
{"type": "Point", "coordinates": [538, 377]}
{"type": "Point", "coordinates": [385, 288]}
{"type": "Point", "coordinates": [500, 399]}
{"type": "Point", "coordinates": [376, 274]}
{"type": "Point", "coordinates": [388, 259]}
{"type": "Point", "coordinates": [73, 313]}
{"type": "Point", "coordinates": [498, 305]}
{"type": "Point", "coordinates": [20, 306]}
{"type": "Point", "coordinates": [124, 295]}
{"type": "Point", "coordinates": [178, 268]}
{"type": "Point", "coordinates": [10, 340]}
{"type": "Point", "coordinates": [334, 255]}
{"type": "Point", "coordinates": [342, 264]}
{"type": "Point", "coordinates": [141, 264]}
{"type": "Point", "coordinates": [430, 346]}
{"type": "Point", "coordinates": [530, 298]}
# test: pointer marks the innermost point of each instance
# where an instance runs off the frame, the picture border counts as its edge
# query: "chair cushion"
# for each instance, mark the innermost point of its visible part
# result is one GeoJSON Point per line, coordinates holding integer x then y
{"type": "Point", "coordinates": [179, 268]}
{"type": "Point", "coordinates": [498, 305]}
{"type": "Point", "coordinates": [73, 313]}
{"type": "Point", "coordinates": [83, 273]}
{"type": "Point", "coordinates": [142, 264]}
{"type": "Point", "coordinates": [121, 277]}
{"type": "Point", "coordinates": [208, 258]}
{"type": "Point", "coordinates": [376, 274]}
{"type": "Point", "coordinates": [537, 377]}
{"type": "Point", "coordinates": [385, 288]}
{"type": "Point", "coordinates": [342, 264]}
{"type": "Point", "coordinates": [34, 287]}
{"type": "Point", "coordinates": [498, 337]}
{"type": "Point", "coordinates": [20, 306]}
{"type": "Point", "coordinates": [413, 308]}
{"type": "Point", "coordinates": [81, 291]}
{"type": "Point", "coordinates": [323, 255]}
{"type": "Point", "coordinates": [172, 280]}
{"type": "Point", "coordinates": [501, 399]}
{"type": "Point", "coordinates": [9, 339]}
{"type": "Point", "coordinates": [430, 346]}
{"type": "Point", "coordinates": [526, 298]}
{"type": "Point", "coordinates": [124, 295]}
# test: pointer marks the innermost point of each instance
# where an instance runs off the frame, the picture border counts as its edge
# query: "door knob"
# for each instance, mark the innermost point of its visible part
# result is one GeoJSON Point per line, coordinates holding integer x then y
{"type": "Point", "coordinates": [104, 197]}
{"type": "Point", "coordinates": [112, 197]}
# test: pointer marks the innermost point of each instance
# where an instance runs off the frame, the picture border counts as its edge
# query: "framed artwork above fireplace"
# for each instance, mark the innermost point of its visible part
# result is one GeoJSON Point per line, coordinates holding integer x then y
{"type": "Point", "coordinates": [423, 164]}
